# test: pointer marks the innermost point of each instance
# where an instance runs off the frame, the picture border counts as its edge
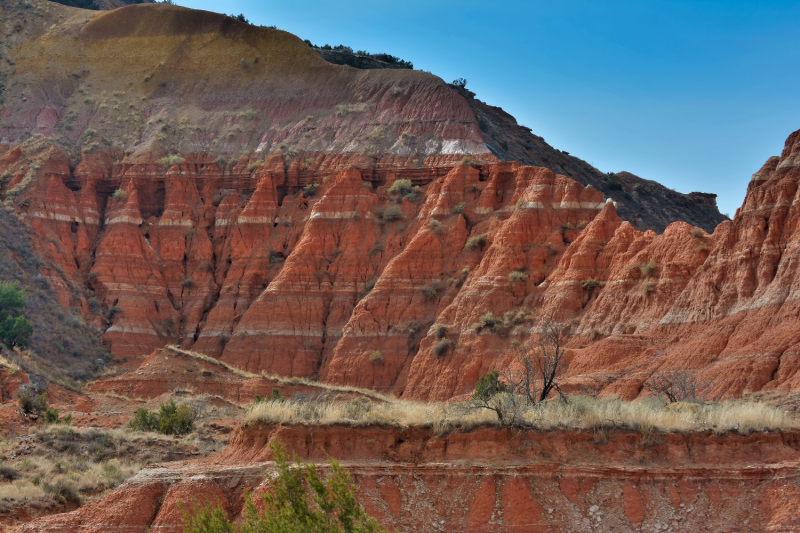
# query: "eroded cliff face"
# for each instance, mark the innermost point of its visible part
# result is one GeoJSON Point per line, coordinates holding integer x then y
{"type": "Point", "coordinates": [487, 480]}
{"type": "Point", "coordinates": [357, 283]}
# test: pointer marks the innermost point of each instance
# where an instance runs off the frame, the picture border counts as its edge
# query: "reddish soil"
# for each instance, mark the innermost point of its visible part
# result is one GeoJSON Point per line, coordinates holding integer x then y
{"type": "Point", "coordinates": [491, 480]}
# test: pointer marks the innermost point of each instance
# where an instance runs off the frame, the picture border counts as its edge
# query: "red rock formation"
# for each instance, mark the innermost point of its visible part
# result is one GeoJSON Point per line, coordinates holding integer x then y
{"type": "Point", "coordinates": [488, 480]}
{"type": "Point", "coordinates": [244, 265]}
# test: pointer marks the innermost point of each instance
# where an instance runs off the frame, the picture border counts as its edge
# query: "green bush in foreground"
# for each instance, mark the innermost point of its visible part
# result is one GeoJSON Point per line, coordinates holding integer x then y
{"type": "Point", "coordinates": [170, 419]}
{"type": "Point", "coordinates": [300, 500]}
{"type": "Point", "coordinates": [15, 330]}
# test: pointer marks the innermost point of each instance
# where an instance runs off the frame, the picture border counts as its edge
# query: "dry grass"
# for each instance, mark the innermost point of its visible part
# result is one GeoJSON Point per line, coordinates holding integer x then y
{"type": "Point", "coordinates": [9, 365]}
{"type": "Point", "coordinates": [325, 387]}
{"type": "Point", "coordinates": [60, 464]}
{"type": "Point", "coordinates": [579, 413]}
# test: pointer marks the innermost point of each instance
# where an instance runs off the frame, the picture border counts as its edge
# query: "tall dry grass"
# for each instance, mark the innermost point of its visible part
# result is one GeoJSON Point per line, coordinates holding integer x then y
{"type": "Point", "coordinates": [13, 368]}
{"type": "Point", "coordinates": [578, 413]}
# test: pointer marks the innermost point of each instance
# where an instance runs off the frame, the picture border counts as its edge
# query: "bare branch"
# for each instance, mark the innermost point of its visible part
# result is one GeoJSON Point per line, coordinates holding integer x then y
{"type": "Point", "coordinates": [678, 386]}
{"type": "Point", "coordinates": [539, 363]}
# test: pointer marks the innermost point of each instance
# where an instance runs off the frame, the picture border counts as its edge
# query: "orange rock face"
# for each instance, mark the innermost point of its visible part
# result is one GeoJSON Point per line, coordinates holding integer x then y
{"type": "Point", "coordinates": [359, 283]}
{"type": "Point", "coordinates": [487, 480]}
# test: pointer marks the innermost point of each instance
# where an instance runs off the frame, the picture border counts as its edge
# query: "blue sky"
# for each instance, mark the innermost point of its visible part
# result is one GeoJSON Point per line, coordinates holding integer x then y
{"type": "Point", "coordinates": [693, 94]}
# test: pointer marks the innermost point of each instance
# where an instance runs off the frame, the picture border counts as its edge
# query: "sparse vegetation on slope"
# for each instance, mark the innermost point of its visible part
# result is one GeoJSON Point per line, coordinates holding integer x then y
{"type": "Point", "coordinates": [60, 345]}
{"type": "Point", "coordinates": [55, 466]}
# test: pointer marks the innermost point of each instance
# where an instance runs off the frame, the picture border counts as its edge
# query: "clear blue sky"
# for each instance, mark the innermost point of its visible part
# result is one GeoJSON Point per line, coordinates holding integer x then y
{"type": "Point", "coordinates": [693, 94]}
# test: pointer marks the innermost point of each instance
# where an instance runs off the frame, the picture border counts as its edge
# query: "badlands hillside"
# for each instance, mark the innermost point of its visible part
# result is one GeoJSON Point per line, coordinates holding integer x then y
{"type": "Point", "coordinates": [191, 179]}
{"type": "Point", "coordinates": [207, 211]}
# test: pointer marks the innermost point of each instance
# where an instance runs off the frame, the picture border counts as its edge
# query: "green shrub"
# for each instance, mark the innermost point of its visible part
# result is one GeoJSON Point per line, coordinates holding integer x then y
{"type": "Point", "coordinates": [589, 284]}
{"type": "Point", "coordinates": [551, 248]}
{"type": "Point", "coordinates": [51, 417]}
{"type": "Point", "coordinates": [458, 208]}
{"type": "Point", "coordinates": [487, 321]}
{"type": "Point", "coordinates": [581, 224]}
{"type": "Point", "coordinates": [12, 299]}
{"type": "Point", "coordinates": [392, 213]}
{"type": "Point", "coordinates": [478, 241]}
{"type": "Point", "coordinates": [30, 404]}
{"type": "Point", "coordinates": [697, 233]}
{"type": "Point", "coordinates": [112, 311]}
{"type": "Point", "coordinates": [376, 357]}
{"type": "Point", "coordinates": [431, 289]}
{"type": "Point", "coordinates": [299, 500]}
{"type": "Point", "coordinates": [175, 420]}
{"type": "Point", "coordinates": [144, 420]}
{"type": "Point", "coordinates": [488, 386]}
{"type": "Point", "coordinates": [275, 396]}
{"type": "Point", "coordinates": [170, 161]}
{"type": "Point", "coordinates": [517, 275]}
{"type": "Point", "coordinates": [611, 182]}
{"type": "Point", "coordinates": [435, 225]}
{"type": "Point", "coordinates": [310, 190]}
{"type": "Point", "coordinates": [15, 330]}
{"type": "Point", "coordinates": [404, 188]}
{"type": "Point", "coordinates": [170, 419]}
{"type": "Point", "coordinates": [442, 346]}
{"type": "Point", "coordinates": [188, 283]}
{"type": "Point", "coordinates": [119, 195]}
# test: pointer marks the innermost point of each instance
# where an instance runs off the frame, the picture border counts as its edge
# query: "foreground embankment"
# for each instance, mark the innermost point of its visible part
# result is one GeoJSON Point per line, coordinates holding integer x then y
{"type": "Point", "coordinates": [489, 479]}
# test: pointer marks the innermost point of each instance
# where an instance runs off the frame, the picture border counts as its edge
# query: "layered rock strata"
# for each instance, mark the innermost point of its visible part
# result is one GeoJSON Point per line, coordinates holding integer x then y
{"type": "Point", "coordinates": [487, 480]}
{"type": "Point", "coordinates": [363, 280]}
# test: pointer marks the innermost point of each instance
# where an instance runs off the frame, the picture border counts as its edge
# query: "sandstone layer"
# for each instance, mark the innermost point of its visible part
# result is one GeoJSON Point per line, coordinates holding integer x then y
{"type": "Point", "coordinates": [488, 480]}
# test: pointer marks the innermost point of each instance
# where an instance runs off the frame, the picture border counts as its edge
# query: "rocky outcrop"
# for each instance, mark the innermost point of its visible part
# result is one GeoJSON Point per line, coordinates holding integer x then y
{"type": "Point", "coordinates": [487, 480]}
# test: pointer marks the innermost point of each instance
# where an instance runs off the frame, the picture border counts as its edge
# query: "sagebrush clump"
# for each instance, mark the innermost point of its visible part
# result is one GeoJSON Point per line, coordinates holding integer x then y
{"type": "Point", "coordinates": [477, 241]}
{"type": "Point", "coordinates": [517, 275]}
{"type": "Point", "coordinates": [170, 419]}
{"type": "Point", "coordinates": [405, 189]}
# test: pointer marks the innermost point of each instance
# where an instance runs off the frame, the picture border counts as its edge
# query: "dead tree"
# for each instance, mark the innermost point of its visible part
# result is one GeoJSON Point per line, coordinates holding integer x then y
{"type": "Point", "coordinates": [679, 385]}
{"type": "Point", "coordinates": [539, 363]}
